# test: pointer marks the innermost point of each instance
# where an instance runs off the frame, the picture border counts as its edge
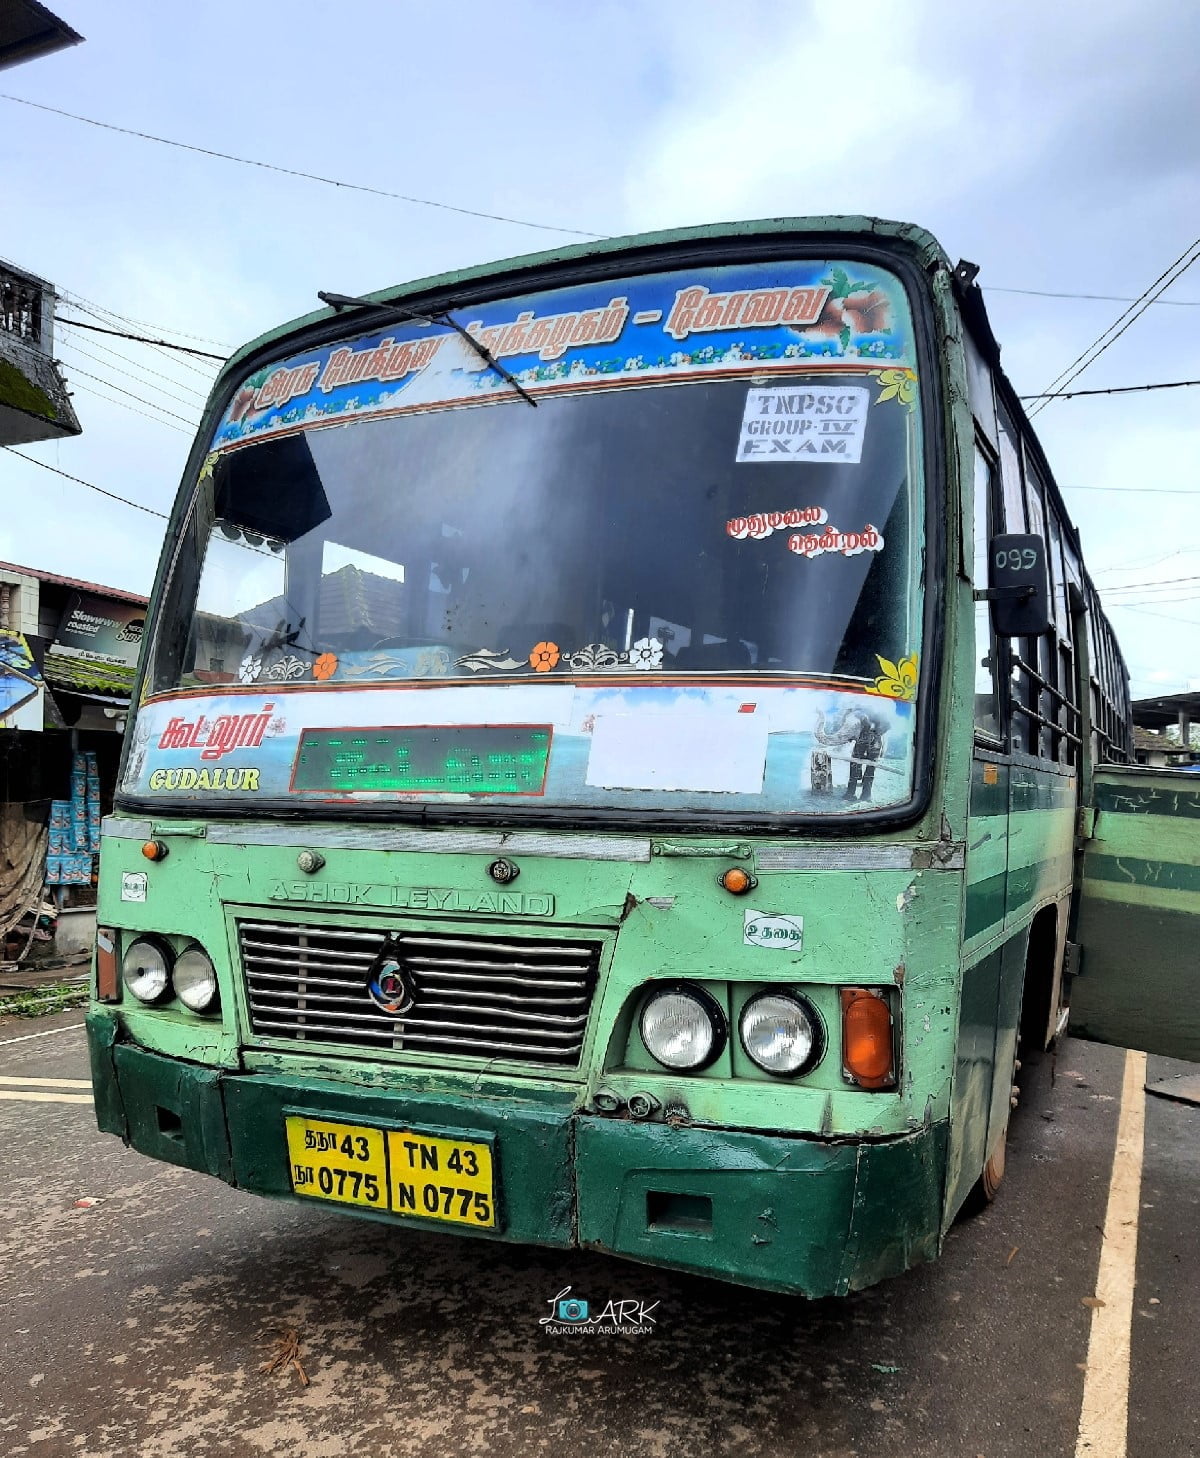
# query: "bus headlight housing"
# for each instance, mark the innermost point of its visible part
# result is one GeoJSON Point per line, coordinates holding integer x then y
{"type": "Point", "coordinates": [683, 1028]}
{"type": "Point", "coordinates": [780, 1031]}
{"type": "Point", "coordinates": [195, 980]}
{"type": "Point", "coordinates": [146, 969]}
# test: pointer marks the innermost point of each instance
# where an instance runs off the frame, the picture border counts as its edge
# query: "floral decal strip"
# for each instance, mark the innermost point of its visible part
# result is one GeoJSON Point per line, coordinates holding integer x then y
{"type": "Point", "coordinates": [897, 385]}
{"type": "Point", "coordinates": [787, 315]}
{"type": "Point", "coordinates": [898, 680]}
{"type": "Point", "coordinates": [644, 655]}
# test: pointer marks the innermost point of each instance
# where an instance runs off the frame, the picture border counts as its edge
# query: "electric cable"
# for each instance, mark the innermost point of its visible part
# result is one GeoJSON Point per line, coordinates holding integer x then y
{"type": "Point", "coordinates": [99, 310]}
{"type": "Point", "coordinates": [1112, 390]}
{"type": "Point", "coordinates": [1138, 490]}
{"type": "Point", "coordinates": [91, 486]}
{"type": "Point", "coordinates": [297, 172]}
{"type": "Point", "coordinates": [1107, 298]}
{"type": "Point", "coordinates": [106, 316]}
{"type": "Point", "coordinates": [145, 414]}
{"type": "Point", "coordinates": [138, 338]}
{"type": "Point", "coordinates": [77, 370]}
{"type": "Point", "coordinates": [129, 374]}
{"type": "Point", "coordinates": [1123, 322]}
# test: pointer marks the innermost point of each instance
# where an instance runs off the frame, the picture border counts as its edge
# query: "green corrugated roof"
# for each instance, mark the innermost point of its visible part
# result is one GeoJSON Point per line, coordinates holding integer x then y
{"type": "Point", "coordinates": [84, 676]}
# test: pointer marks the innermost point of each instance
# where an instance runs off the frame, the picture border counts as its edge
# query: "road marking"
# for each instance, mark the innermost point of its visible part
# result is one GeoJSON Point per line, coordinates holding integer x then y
{"type": "Point", "coordinates": [49, 1033]}
{"type": "Point", "coordinates": [1104, 1416]}
{"type": "Point", "coordinates": [48, 1082]}
{"type": "Point", "coordinates": [44, 1098]}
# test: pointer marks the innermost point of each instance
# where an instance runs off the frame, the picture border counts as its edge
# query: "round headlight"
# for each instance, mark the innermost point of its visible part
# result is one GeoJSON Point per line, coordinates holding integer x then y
{"type": "Point", "coordinates": [780, 1032]}
{"type": "Point", "coordinates": [146, 968]}
{"type": "Point", "coordinates": [683, 1028]}
{"type": "Point", "coordinates": [195, 979]}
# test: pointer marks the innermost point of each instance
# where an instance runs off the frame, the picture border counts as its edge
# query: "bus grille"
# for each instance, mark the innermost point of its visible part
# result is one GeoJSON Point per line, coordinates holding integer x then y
{"type": "Point", "coordinates": [520, 998]}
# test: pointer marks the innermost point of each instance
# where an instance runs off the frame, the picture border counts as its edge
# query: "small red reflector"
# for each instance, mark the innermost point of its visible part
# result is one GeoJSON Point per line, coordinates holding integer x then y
{"type": "Point", "coordinates": [108, 972]}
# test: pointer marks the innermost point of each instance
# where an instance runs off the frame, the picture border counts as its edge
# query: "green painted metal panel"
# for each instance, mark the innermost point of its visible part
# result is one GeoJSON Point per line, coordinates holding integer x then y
{"type": "Point", "coordinates": [532, 1143]}
{"type": "Point", "coordinates": [985, 905]}
{"type": "Point", "coordinates": [1041, 839]}
{"type": "Point", "coordinates": [974, 1067]}
{"type": "Point", "coordinates": [102, 1036]}
{"type": "Point", "coordinates": [662, 917]}
{"type": "Point", "coordinates": [174, 1110]}
{"type": "Point", "coordinates": [786, 1214]}
{"type": "Point", "coordinates": [1139, 915]}
{"type": "Point", "coordinates": [1020, 844]}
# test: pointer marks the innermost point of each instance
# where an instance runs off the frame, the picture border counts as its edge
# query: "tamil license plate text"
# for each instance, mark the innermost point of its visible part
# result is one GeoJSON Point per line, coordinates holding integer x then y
{"type": "Point", "coordinates": [403, 1171]}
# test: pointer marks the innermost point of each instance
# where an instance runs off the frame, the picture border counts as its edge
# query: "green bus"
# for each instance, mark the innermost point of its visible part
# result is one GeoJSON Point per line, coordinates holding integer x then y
{"type": "Point", "coordinates": [612, 761]}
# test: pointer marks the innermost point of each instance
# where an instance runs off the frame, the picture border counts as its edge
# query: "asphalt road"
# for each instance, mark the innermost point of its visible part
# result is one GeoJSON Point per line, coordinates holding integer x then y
{"type": "Point", "coordinates": [140, 1324]}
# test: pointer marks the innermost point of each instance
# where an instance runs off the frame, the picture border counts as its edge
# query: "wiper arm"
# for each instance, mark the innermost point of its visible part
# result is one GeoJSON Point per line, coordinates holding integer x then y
{"type": "Point", "coordinates": [339, 302]}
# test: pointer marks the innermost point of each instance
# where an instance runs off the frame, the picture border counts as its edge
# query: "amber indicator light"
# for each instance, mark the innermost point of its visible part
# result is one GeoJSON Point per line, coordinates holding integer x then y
{"type": "Point", "coordinates": [867, 1053]}
{"type": "Point", "coordinates": [736, 881]}
{"type": "Point", "coordinates": [108, 973]}
{"type": "Point", "coordinates": [154, 850]}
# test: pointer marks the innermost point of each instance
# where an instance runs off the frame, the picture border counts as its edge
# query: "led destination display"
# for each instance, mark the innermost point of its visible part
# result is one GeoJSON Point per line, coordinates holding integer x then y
{"type": "Point", "coordinates": [464, 759]}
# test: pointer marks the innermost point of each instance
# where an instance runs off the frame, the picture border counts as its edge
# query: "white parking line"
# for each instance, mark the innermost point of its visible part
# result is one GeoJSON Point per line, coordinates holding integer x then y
{"type": "Point", "coordinates": [1104, 1416]}
{"type": "Point", "coordinates": [48, 1082]}
{"type": "Point", "coordinates": [49, 1033]}
{"type": "Point", "coordinates": [44, 1098]}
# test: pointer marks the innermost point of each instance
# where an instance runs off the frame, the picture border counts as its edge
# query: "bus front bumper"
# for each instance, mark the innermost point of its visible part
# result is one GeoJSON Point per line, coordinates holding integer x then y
{"type": "Point", "coordinates": [769, 1210]}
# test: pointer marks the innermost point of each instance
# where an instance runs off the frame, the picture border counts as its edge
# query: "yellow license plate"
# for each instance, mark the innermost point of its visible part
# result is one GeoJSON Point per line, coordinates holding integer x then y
{"type": "Point", "coordinates": [402, 1171]}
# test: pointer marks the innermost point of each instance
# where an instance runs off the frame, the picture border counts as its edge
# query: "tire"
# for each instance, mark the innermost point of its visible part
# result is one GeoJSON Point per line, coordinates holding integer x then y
{"type": "Point", "coordinates": [985, 1189]}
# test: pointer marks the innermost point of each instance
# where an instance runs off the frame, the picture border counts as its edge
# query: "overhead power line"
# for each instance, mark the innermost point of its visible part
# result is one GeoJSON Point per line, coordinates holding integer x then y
{"type": "Point", "coordinates": [79, 481]}
{"type": "Point", "coordinates": [113, 320]}
{"type": "Point", "coordinates": [145, 414]}
{"type": "Point", "coordinates": [135, 367]}
{"type": "Point", "coordinates": [1128, 317]}
{"type": "Point", "coordinates": [297, 172]}
{"type": "Point", "coordinates": [1139, 490]}
{"type": "Point", "coordinates": [128, 374]}
{"type": "Point", "coordinates": [1106, 298]}
{"type": "Point", "coordinates": [141, 399]}
{"type": "Point", "coordinates": [1150, 613]}
{"type": "Point", "coordinates": [1160, 582]}
{"type": "Point", "coordinates": [98, 310]}
{"type": "Point", "coordinates": [1149, 561]}
{"type": "Point", "coordinates": [1113, 390]}
{"type": "Point", "coordinates": [141, 339]}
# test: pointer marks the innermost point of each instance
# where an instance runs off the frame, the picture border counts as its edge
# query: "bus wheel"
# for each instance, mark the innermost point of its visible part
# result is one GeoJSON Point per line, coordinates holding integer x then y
{"type": "Point", "coordinates": [993, 1171]}
{"type": "Point", "coordinates": [987, 1186]}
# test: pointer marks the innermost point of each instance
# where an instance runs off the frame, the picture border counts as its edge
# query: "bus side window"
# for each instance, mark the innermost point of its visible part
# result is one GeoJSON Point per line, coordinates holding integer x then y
{"type": "Point", "coordinates": [987, 705]}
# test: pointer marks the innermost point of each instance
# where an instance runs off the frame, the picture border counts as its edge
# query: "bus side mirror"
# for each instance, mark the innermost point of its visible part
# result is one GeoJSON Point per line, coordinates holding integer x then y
{"type": "Point", "coordinates": [1018, 586]}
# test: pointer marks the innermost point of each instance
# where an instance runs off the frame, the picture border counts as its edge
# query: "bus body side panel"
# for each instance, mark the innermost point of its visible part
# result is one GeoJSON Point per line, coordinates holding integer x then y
{"type": "Point", "coordinates": [1139, 914]}
{"type": "Point", "coordinates": [1019, 862]}
{"type": "Point", "coordinates": [974, 1071]}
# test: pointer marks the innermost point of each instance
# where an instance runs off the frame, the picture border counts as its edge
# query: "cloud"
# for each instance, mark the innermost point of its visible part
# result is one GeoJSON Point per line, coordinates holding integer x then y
{"type": "Point", "coordinates": [1053, 143]}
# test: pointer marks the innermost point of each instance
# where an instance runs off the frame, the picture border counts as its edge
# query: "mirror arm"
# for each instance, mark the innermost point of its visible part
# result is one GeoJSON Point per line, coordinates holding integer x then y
{"type": "Point", "coordinates": [1003, 594]}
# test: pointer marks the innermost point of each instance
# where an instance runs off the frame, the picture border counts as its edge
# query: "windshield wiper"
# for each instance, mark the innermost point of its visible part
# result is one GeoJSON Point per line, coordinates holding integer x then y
{"type": "Point", "coordinates": [338, 302]}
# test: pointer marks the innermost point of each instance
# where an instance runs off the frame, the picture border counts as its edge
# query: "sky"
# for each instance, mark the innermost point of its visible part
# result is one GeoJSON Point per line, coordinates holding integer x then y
{"type": "Point", "coordinates": [1053, 145]}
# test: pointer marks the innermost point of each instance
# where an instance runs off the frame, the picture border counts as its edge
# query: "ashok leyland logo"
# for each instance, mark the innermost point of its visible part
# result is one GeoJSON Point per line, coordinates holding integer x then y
{"type": "Point", "coordinates": [573, 1316]}
{"type": "Point", "coordinates": [388, 985]}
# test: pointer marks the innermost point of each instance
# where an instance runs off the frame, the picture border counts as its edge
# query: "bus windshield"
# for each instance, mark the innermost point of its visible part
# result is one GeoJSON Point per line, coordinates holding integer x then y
{"type": "Point", "coordinates": [690, 577]}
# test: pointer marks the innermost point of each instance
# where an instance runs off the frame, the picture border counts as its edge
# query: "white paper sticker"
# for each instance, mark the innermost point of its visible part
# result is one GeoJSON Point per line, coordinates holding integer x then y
{"type": "Point", "coordinates": [798, 423]}
{"type": "Point", "coordinates": [133, 886]}
{"type": "Point", "coordinates": [688, 751]}
{"type": "Point", "coordinates": [767, 929]}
